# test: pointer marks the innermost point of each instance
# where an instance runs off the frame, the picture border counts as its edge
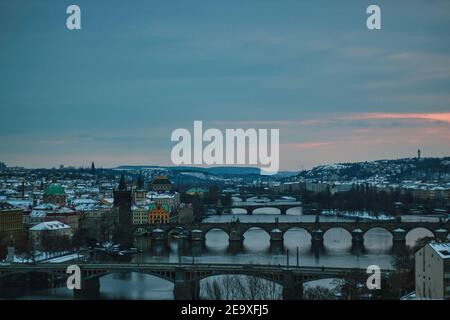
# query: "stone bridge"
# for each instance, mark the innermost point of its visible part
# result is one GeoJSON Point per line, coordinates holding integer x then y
{"type": "Point", "coordinates": [249, 207]}
{"type": "Point", "coordinates": [271, 197]}
{"type": "Point", "coordinates": [186, 277]}
{"type": "Point", "coordinates": [276, 230]}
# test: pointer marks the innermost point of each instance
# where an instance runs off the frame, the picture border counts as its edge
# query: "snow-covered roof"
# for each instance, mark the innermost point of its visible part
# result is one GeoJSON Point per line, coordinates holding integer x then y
{"type": "Point", "coordinates": [65, 210]}
{"type": "Point", "coordinates": [84, 201]}
{"type": "Point", "coordinates": [46, 206]}
{"type": "Point", "coordinates": [50, 225]}
{"type": "Point", "coordinates": [38, 213]}
{"type": "Point", "coordinates": [443, 249]}
{"type": "Point", "coordinates": [20, 203]}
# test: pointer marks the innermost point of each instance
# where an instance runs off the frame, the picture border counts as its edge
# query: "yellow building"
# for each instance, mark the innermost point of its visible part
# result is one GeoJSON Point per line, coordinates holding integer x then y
{"type": "Point", "coordinates": [158, 214]}
{"type": "Point", "coordinates": [11, 221]}
{"type": "Point", "coordinates": [140, 215]}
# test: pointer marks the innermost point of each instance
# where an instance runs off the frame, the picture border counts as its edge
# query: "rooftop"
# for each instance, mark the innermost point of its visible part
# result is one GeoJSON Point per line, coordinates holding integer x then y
{"type": "Point", "coordinates": [6, 206]}
{"type": "Point", "coordinates": [443, 249]}
{"type": "Point", "coordinates": [50, 225]}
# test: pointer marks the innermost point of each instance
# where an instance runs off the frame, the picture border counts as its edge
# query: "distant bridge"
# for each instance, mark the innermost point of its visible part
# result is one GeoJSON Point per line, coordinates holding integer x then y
{"type": "Point", "coordinates": [186, 276]}
{"type": "Point", "coordinates": [272, 197]}
{"type": "Point", "coordinates": [249, 207]}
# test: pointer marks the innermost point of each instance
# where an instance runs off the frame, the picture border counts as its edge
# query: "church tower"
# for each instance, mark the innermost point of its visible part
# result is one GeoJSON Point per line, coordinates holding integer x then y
{"type": "Point", "coordinates": [122, 202]}
{"type": "Point", "coordinates": [139, 193]}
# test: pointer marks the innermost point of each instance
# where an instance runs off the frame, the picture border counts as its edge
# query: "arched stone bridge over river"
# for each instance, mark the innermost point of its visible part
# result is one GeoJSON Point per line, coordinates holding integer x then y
{"type": "Point", "coordinates": [276, 230]}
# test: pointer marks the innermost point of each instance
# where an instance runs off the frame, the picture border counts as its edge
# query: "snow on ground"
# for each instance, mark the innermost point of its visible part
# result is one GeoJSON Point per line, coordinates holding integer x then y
{"type": "Point", "coordinates": [41, 257]}
{"type": "Point", "coordinates": [358, 214]}
{"type": "Point", "coordinates": [65, 258]}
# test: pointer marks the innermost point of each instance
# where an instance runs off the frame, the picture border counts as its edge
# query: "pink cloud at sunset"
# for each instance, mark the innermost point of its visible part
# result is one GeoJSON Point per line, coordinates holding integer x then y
{"type": "Point", "coordinates": [441, 117]}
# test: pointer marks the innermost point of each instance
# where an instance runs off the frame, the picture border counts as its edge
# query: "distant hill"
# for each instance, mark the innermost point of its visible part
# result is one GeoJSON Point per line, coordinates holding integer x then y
{"type": "Point", "coordinates": [423, 169]}
{"type": "Point", "coordinates": [232, 170]}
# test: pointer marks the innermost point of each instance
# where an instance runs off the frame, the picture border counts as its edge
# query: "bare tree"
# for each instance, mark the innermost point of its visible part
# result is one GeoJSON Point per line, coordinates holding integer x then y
{"type": "Point", "coordinates": [240, 287]}
{"type": "Point", "coordinates": [319, 293]}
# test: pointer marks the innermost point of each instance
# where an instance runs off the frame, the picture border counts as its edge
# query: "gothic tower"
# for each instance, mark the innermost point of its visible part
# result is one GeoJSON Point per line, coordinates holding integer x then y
{"type": "Point", "coordinates": [122, 202]}
{"type": "Point", "coordinates": [92, 168]}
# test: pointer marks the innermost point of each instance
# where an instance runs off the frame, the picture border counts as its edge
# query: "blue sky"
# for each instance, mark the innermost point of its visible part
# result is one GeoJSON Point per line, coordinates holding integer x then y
{"type": "Point", "coordinates": [114, 91]}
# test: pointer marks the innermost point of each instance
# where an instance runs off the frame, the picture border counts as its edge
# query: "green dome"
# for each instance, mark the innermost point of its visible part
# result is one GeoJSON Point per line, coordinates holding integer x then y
{"type": "Point", "coordinates": [54, 189]}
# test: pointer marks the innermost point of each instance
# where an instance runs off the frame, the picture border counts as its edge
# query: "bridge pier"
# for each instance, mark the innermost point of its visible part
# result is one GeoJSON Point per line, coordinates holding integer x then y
{"type": "Point", "coordinates": [235, 247]}
{"type": "Point", "coordinates": [159, 235]}
{"type": "Point", "coordinates": [399, 241]}
{"type": "Point", "coordinates": [159, 242]}
{"type": "Point", "coordinates": [317, 237]}
{"type": "Point", "coordinates": [292, 289]}
{"type": "Point", "coordinates": [235, 241]}
{"type": "Point", "coordinates": [358, 237]}
{"type": "Point", "coordinates": [197, 235]}
{"type": "Point", "coordinates": [440, 235]}
{"type": "Point", "coordinates": [184, 245]}
{"type": "Point", "coordinates": [399, 237]}
{"type": "Point", "coordinates": [276, 241]}
{"type": "Point", "coordinates": [276, 235]}
{"type": "Point", "coordinates": [90, 289]}
{"type": "Point", "coordinates": [283, 210]}
{"type": "Point", "coordinates": [235, 236]}
{"type": "Point", "coordinates": [185, 289]}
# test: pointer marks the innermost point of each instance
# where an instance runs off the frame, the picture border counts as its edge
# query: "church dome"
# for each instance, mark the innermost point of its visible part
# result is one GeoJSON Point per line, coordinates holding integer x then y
{"type": "Point", "coordinates": [54, 189]}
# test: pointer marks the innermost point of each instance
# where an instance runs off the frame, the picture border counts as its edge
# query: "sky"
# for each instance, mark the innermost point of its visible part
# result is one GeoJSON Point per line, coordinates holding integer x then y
{"type": "Point", "coordinates": [114, 91]}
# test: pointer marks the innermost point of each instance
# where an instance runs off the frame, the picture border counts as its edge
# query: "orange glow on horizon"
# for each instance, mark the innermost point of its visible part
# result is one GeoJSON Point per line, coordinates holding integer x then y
{"type": "Point", "coordinates": [441, 117]}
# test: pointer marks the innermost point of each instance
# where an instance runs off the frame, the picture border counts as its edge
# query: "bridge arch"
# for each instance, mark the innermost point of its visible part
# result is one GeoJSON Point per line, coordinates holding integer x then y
{"type": "Point", "coordinates": [377, 228]}
{"type": "Point", "coordinates": [217, 228]}
{"type": "Point", "coordinates": [414, 234]}
{"type": "Point", "coordinates": [254, 228]}
{"type": "Point", "coordinates": [244, 210]}
{"type": "Point", "coordinates": [263, 210]}
{"type": "Point", "coordinates": [331, 237]}
{"type": "Point", "coordinates": [256, 239]}
{"type": "Point", "coordinates": [216, 239]}
{"type": "Point", "coordinates": [378, 238]}
{"type": "Point", "coordinates": [297, 210]}
{"type": "Point", "coordinates": [297, 237]}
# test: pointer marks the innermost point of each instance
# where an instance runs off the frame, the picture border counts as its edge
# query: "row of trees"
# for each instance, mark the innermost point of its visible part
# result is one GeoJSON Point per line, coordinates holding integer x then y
{"type": "Point", "coordinates": [212, 197]}
{"type": "Point", "coordinates": [358, 198]}
{"type": "Point", "coordinates": [21, 244]}
{"type": "Point", "coordinates": [239, 287]}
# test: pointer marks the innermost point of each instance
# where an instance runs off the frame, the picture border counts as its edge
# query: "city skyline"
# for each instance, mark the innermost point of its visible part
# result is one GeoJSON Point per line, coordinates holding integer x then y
{"type": "Point", "coordinates": [114, 91]}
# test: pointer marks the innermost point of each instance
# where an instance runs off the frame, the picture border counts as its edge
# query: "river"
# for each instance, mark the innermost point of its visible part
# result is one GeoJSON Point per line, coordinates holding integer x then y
{"type": "Point", "coordinates": [336, 252]}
